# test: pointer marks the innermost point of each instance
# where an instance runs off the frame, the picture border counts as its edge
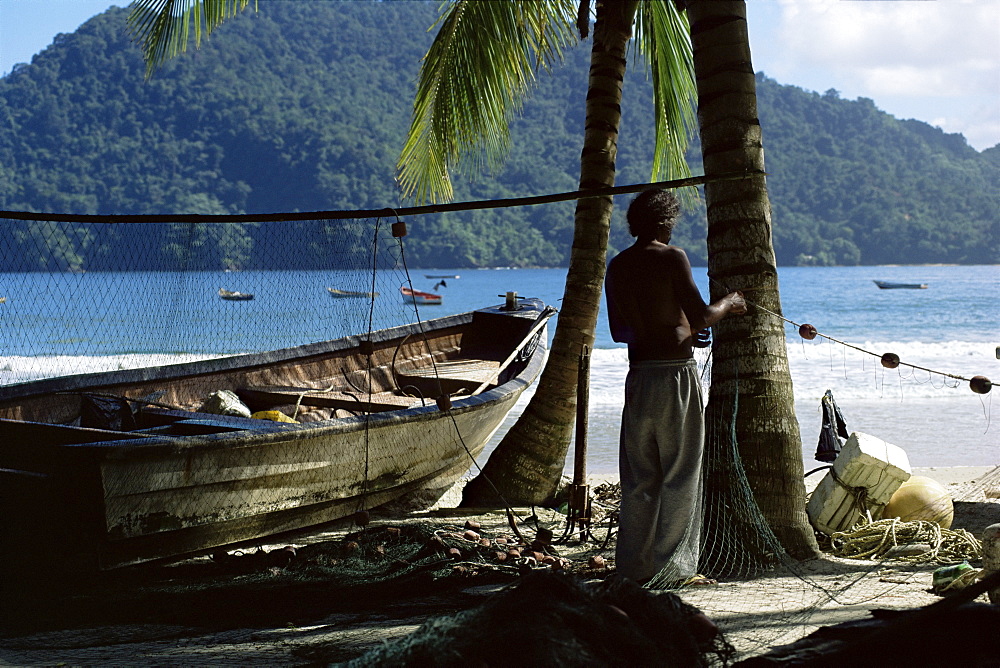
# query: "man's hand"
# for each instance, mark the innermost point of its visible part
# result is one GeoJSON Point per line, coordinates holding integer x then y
{"type": "Point", "coordinates": [738, 305]}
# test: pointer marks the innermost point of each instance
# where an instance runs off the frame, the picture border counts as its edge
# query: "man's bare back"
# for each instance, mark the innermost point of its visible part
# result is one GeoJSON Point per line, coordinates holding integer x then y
{"type": "Point", "coordinates": [654, 304]}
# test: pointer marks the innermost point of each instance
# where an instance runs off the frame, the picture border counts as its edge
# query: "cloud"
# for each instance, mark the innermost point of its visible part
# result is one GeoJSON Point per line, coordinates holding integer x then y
{"type": "Point", "coordinates": [981, 127]}
{"type": "Point", "coordinates": [934, 60]}
{"type": "Point", "coordinates": [942, 48]}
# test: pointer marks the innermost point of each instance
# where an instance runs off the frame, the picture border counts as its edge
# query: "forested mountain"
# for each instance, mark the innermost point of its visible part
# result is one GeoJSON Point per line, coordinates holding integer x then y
{"type": "Point", "coordinates": [303, 106]}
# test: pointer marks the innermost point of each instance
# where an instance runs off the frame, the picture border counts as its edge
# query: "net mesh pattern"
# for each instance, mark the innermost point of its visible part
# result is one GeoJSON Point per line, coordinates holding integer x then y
{"type": "Point", "coordinates": [87, 297]}
{"type": "Point", "coordinates": [91, 297]}
{"type": "Point", "coordinates": [204, 292]}
{"type": "Point", "coordinates": [760, 596]}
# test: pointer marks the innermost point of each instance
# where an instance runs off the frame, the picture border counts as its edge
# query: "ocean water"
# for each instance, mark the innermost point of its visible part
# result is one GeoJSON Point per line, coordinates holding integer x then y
{"type": "Point", "coordinates": [953, 327]}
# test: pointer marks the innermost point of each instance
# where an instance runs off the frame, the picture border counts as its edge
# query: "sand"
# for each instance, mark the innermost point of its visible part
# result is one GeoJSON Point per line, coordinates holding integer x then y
{"type": "Point", "coordinates": [770, 610]}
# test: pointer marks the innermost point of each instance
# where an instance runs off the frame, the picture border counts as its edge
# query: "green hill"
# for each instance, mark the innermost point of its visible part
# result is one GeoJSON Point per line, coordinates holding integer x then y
{"type": "Point", "coordinates": [303, 107]}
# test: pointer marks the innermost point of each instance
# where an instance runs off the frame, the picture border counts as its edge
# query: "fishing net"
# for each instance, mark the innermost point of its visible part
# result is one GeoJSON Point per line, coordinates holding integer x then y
{"type": "Point", "coordinates": [571, 626]}
{"type": "Point", "coordinates": [762, 597]}
{"type": "Point", "coordinates": [139, 298]}
{"type": "Point", "coordinates": [81, 297]}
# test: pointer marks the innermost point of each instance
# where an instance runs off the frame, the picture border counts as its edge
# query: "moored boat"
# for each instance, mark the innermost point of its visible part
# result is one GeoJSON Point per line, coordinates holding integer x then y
{"type": "Point", "coordinates": [888, 285]}
{"type": "Point", "coordinates": [411, 296]}
{"type": "Point", "coordinates": [235, 296]}
{"type": "Point", "coordinates": [115, 468]}
{"type": "Point", "coordinates": [338, 294]}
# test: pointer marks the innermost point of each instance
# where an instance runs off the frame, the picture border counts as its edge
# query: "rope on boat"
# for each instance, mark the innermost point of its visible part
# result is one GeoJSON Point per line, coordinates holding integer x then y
{"type": "Point", "coordinates": [302, 395]}
{"type": "Point", "coordinates": [398, 232]}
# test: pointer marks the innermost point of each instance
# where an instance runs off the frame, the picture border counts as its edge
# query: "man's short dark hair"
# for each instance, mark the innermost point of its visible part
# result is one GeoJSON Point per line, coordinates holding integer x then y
{"type": "Point", "coordinates": [651, 210]}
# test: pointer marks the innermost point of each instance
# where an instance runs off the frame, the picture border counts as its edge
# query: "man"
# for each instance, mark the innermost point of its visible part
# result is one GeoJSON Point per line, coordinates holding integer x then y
{"type": "Point", "coordinates": [654, 306]}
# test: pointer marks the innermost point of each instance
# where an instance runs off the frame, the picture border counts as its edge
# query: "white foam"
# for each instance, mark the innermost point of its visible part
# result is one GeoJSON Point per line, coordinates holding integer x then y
{"type": "Point", "coordinates": [20, 369]}
{"type": "Point", "coordinates": [821, 365]}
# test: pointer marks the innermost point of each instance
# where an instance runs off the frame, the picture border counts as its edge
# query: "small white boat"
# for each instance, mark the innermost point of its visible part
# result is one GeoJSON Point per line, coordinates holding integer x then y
{"type": "Point", "coordinates": [411, 296]}
{"type": "Point", "coordinates": [887, 285]}
{"type": "Point", "coordinates": [235, 296]}
{"type": "Point", "coordinates": [338, 294]}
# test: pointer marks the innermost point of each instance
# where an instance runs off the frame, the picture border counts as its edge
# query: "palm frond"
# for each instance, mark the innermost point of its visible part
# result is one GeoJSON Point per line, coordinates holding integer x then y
{"type": "Point", "coordinates": [163, 27]}
{"type": "Point", "coordinates": [664, 39]}
{"type": "Point", "coordinates": [475, 76]}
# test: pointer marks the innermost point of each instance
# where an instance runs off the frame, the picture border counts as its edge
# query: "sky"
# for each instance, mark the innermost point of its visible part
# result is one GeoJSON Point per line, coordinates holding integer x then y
{"type": "Point", "coordinates": [937, 61]}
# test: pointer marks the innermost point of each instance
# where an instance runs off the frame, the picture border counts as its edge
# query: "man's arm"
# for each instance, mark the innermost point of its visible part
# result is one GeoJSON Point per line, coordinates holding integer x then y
{"type": "Point", "coordinates": [699, 314]}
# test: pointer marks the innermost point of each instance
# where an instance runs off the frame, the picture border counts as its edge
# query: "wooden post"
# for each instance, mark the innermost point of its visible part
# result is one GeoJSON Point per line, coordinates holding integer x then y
{"type": "Point", "coordinates": [579, 503]}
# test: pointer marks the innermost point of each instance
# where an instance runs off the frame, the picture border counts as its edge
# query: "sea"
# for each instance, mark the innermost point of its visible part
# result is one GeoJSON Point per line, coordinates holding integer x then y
{"type": "Point", "coordinates": [943, 335]}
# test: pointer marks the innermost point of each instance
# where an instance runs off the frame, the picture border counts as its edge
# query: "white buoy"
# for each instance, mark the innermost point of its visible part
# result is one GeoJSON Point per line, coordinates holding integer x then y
{"type": "Point", "coordinates": [991, 557]}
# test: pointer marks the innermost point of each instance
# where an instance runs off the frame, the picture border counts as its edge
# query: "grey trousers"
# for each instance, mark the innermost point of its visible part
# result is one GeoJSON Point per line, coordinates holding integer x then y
{"type": "Point", "coordinates": [662, 438]}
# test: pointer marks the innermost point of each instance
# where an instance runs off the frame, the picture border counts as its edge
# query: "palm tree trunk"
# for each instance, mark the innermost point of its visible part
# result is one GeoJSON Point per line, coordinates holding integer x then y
{"type": "Point", "coordinates": [527, 464]}
{"type": "Point", "coordinates": [750, 365]}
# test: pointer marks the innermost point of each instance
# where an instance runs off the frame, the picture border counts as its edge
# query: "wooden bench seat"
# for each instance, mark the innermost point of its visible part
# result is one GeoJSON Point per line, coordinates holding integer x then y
{"type": "Point", "coordinates": [457, 376]}
{"type": "Point", "coordinates": [263, 398]}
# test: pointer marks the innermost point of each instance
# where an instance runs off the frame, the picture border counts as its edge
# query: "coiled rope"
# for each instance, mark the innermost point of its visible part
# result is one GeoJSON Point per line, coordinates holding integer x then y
{"type": "Point", "coordinates": [876, 539]}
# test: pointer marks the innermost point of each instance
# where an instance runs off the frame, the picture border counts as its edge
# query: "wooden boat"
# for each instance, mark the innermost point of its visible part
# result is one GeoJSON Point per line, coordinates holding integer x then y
{"type": "Point", "coordinates": [234, 296]}
{"type": "Point", "coordinates": [886, 285]}
{"type": "Point", "coordinates": [411, 296]}
{"type": "Point", "coordinates": [338, 294]}
{"type": "Point", "coordinates": [154, 478]}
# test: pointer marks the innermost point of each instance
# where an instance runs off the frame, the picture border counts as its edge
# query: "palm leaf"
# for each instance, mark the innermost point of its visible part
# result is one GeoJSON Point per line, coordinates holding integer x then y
{"type": "Point", "coordinates": [163, 27]}
{"type": "Point", "coordinates": [663, 38]}
{"type": "Point", "coordinates": [475, 76]}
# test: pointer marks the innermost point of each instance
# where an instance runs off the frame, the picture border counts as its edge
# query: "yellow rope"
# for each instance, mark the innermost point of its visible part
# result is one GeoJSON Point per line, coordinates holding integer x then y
{"type": "Point", "coordinates": [874, 540]}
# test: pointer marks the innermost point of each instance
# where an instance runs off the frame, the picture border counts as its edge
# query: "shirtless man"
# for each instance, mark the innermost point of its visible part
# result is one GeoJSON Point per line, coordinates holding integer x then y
{"type": "Point", "coordinates": [654, 306]}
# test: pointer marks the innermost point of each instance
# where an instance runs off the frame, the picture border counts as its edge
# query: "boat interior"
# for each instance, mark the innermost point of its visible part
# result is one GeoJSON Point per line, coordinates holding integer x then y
{"type": "Point", "coordinates": [391, 375]}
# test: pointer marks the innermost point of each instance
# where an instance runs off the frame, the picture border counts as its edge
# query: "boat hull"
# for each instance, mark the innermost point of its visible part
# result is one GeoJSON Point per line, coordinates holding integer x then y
{"type": "Point", "coordinates": [423, 301]}
{"type": "Point", "coordinates": [185, 482]}
{"type": "Point", "coordinates": [886, 285]}
{"type": "Point", "coordinates": [350, 294]}
{"type": "Point", "coordinates": [419, 298]}
{"type": "Point", "coordinates": [231, 296]}
{"type": "Point", "coordinates": [228, 493]}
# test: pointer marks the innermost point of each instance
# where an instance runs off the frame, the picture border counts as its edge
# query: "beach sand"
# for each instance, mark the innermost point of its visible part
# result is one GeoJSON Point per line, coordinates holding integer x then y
{"type": "Point", "coordinates": [773, 609]}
